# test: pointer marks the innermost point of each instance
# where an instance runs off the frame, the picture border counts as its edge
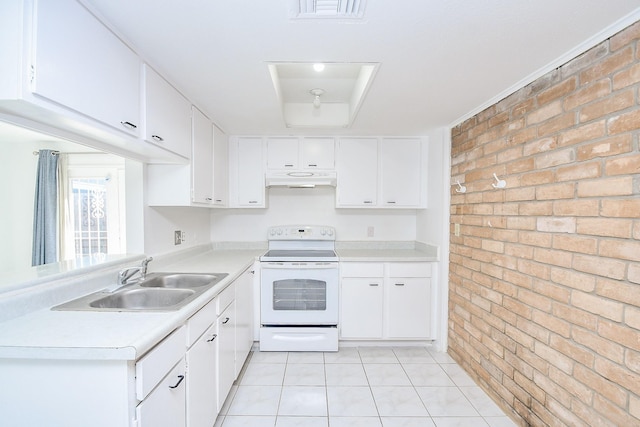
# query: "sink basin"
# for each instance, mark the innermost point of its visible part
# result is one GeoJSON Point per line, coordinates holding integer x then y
{"type": "Point", "coordinates": [143, 299]}
{"type": "Point", "coordinates": [157, 292]}
{"type": "Point", "coordinates": [181, 280]}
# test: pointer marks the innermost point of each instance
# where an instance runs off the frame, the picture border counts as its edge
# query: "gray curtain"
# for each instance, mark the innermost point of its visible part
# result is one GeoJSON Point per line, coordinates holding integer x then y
{"type": "Point", "coordinates": [45, 212]}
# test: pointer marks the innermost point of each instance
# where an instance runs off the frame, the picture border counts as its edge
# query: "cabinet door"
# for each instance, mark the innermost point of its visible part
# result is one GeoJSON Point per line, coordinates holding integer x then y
{"type": "Point", "coordinates": [244, 318]}
{"type": "Point", "coordinates": [168, 115]}
{"type": "Point", "coordinates": [357, 172]}
{"type": "Point", "coordinates": [202, 160]}
{"type": "Point", "coordinates": [361, 307]}
{"type": "Point", "coordinates": [250, 178]}
{"type": "Point", "coordinates": [165, 406]}
{"type": "Point", "coordinates": [82, 65]}
{"type": "Point", "coordinates": [401, 165]}
{"type": "Point", "coordinates": [226, 353]}
{"type": "Point", "coordinates": [318, 153]}
{"type": "Point", "coordinates": [282, 153]}
{"type": "Point", "coordinates": [201, 388]}
{"type": "Point", "coordinates": [220, 168]}
{"type": "Point", "coordinates": [409, 307]}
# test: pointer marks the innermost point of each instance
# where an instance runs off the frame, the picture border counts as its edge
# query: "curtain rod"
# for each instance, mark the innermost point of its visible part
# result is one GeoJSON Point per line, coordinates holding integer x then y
{"type": "Point", "coordinates": [55, 153]}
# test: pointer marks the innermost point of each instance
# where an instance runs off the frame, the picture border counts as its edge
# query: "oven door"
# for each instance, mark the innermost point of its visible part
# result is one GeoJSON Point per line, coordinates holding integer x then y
{"type": "Point", "coordinates": [299, 293]}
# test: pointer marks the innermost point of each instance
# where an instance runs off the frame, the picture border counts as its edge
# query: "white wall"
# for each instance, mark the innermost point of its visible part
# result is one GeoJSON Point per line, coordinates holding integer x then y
{"type": "Point", "coordinates": [311, 206]}
{"type": "Point", "coordinates": [161, 222]}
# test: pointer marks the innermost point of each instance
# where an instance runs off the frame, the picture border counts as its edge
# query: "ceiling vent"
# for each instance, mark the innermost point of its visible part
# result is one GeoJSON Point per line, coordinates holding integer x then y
{"type": "Point", "coordinates": [321, 9]}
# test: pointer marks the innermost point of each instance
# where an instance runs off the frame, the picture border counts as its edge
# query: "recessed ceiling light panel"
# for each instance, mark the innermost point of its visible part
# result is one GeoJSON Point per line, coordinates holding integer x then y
{"type": "Point", "coordinates": [322, 9]}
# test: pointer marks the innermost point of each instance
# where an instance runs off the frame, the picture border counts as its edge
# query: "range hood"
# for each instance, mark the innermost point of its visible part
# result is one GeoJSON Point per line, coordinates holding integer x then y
{"type": "Point", "coordinates": [300, 179]}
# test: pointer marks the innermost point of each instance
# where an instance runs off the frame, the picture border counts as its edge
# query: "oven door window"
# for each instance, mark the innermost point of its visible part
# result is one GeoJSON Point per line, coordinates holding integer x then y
{"type": "Point", "coordinates": [299, 295]}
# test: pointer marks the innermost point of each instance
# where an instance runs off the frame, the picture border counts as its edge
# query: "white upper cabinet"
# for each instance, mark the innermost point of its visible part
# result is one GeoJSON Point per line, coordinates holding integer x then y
{"type": "Point", "coordinates": [220, 168]}
{"type": "Point", "coordinates": [291, 153]}
{"type": "Point", "coordinates": [84, 66]}
{"type": "Point", "coordinates": [202, 172]}
{"type": "Point", "coordinates": [246, 173]}
{"type": "Point", "coordinates": [357, 172]}
{"type": "Point", "coordinates": [401, 172]}
{"type": "Point", "coordinates": [168, 115]}
{"type": "Point", "coordinates": [381, 173]}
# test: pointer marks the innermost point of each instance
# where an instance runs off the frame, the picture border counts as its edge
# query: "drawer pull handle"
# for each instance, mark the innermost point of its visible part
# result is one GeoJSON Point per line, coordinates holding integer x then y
{"type": "Point", "coordinates": [180, 379]}
{"type": "Point", "coordinates": [213, 337]}
{"type": "Point", "coordinates": [128, 125]}
{"type": "Point", "coordinates": [226, 320]}
{"type": "Point", "coordinates": [399, 284]}
{"type": "Point", "coordinates": [373, 284]}
{"type": "Point", "coordinates": [157, 138]}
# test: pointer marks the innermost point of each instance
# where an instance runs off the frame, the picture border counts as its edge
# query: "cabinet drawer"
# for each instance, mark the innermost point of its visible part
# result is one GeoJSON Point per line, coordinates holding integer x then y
{"type": "Point", "coordinates": [409, 269]}
{"type": "Point", "coordinates": [361, 269]}
{"type": "Point", "coordinates": [165, 406]}
{"type": "Point", "coordinates": [225, 298]}
{"type": "Point", "coordinates": [157, 362]}
{"type": "Point", "coordinates": [200, 321]}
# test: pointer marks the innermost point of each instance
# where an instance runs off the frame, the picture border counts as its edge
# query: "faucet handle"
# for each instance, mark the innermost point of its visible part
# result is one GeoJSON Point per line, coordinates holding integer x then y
{"type": "Point", "coordinates": [144, 264]}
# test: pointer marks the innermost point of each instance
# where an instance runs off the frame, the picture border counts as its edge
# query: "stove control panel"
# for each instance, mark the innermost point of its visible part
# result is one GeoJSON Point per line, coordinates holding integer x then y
{"type": "Point", "coordinates": [301, 232]}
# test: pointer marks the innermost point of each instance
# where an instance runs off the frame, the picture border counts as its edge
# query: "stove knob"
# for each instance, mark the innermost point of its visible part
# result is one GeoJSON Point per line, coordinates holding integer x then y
{"type": "Point", "coordinates": [272, 232]}
{"type": "Point", "coordinates": [330, 231]}
{"type": "Point", "coordinates": [323, 231]}
{"type": "Point", "coordinates": [279, 231]}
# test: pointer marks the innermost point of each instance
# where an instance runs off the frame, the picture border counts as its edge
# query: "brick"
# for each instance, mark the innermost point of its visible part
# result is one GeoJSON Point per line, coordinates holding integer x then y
{"type": "Point", "coordinates": [604, 148]}
{"type": "Point", "coordinates": [556, 225]}
{"type": "Point", "coordinates": [618, 375]}
{"type": "Point", "coordinates": [625, 122]}
{"type": "Point", "coordinates": [620, 334]}
{"type": "Point", "coordinates": [509, 155]}
{"type": "Point", "coordinates": [608, 389]}
{"type": "Point", "coordinates": [555, 158]}
{"type": "Point", "coordinates": [625, 165]}
{"type": "Point", "coordinates": [625, 37]}
{"type": "Point", "coordinates": [634, 273]}
{"type": "Point", "coordinates": [573, 279]}
{"type": "Point", "coordinates": [534, 269]}
{"type": "Point", "coordinates": [634, 406]}
{"type": "Point", "coordinates": [632, 318]}
{"type": "Point", "coordinates": [604, 227]}
{"type": "Point", "coordinates": [551, 290]}
{"type": "Point", "coordinates": [585, 60]}
{"type": "Point", "coordinates": [545, 113]}
{"type": "Point", "coordinates": [537, 178]}
{"type": "Point", "coordinates": [626, 77]}
{"type": "Point", "coordinates": [573, 243]}
{"type": "Point", "coordinates": [542, 240]}
{"type": "Point", "coordinates": [608, 65]}
{"type": "Point", "coordinates": [606, 106]}
{"type": "Point", "coordinates": [615, 415]}
{"type": "Point", "coordinates": [597, 305]}
{"type": "Point", "coordinates": [521, 165]}
{"type": "Point", "coordinates": [576, 207]}
{"type": "Point", "coordinates": [578, 318]}
{"type": "Point", "coordinates": [621, 208]}
{"type": "Point", "coordinates": [620, 249]}
{"type": "Point", "coordinates": [540, 146]}
{"type": "Point", "coordinates": [521, 137]}
{"type": "Point", "coordinates": [587, 94]}
{"type": "Point", "coordinates": [535, 208]}
{"type": "Point", "coordinates": [559, 90]}
{"type": "Point", "coordinates": [557, 359]}
{"type": "Point", "coordinates": [605, 348]}
{"type": "Point", "coordinates": [564, 190]}
{"type": "Point", "coordinates": [519, 194]}
{"type": "Point", "coordinates": [557, 124]}
{"type": "Point", "coordinates": [583, 170]}
{"type": "Point", "coordinates": [493, 246]}
{"type": "Point", "coordinates": [621, 186]}
{"type": "Point", "coordinates": [552, 257]}
{"type": "Point", "coordinates": [599, 266]}
{"type": "Point", "coordinates": [582, 133]}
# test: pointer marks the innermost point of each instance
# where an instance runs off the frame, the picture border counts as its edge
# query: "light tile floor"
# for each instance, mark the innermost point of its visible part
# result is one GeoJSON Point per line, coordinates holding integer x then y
{"type": "Point", "coordinates": [365, 386]}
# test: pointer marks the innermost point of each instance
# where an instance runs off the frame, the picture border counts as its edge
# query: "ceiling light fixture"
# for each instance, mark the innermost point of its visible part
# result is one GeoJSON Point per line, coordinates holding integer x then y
{"type": "Point", "coordinates": [319, 67]}
{"type": "Point", "coordinates": [316, 96]}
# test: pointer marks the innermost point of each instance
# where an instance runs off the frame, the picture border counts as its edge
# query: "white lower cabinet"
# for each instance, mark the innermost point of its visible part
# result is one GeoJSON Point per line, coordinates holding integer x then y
{"type": "Point", "coordinates": [385, 300]}
{"type": "Point", "coordinates": [164, 406]}
{"type": "Point", "coordinates": [226, 352]}
{"type": "Point", "coordinates": [244, 317]}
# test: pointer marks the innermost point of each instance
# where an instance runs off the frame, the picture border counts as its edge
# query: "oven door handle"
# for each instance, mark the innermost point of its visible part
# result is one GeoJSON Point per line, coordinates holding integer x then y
{"type": "Point", "coordinates": [299, 265]}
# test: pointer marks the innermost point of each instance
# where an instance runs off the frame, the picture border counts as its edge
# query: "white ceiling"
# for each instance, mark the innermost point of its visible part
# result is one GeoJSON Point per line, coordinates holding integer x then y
{"type": "Point", "coordinates": [439, 60]}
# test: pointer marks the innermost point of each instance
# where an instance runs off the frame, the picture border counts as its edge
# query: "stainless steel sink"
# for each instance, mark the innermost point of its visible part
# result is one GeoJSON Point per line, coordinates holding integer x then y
{"type": "Point", "coordinates": [181, 280]}
{"type": "Point", "coordinates": [157, 292]}
{"type": "Point", "coordinates": [143, 299]}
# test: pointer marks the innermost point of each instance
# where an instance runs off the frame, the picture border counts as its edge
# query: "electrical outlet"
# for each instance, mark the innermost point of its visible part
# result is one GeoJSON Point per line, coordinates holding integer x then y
{"type": "Point", "coordinates": [456, 230]}
{"type": "Point", "coordinates": [177, 237]}
{"type": "Point", "coordinates": [183, 236]}
{"type": "Point", "coordinates": [370, 231]}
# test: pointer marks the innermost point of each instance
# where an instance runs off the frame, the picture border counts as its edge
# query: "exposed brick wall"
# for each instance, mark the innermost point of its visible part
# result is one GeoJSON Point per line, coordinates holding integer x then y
{"type": "Point", "coordinates": [544, 302]}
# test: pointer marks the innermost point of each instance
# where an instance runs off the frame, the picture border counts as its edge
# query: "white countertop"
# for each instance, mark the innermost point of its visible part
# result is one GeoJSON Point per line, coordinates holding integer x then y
{"type": "Point", "coordinates": [114, 335]}
{"type": "Point", "coordinates": [47, 334]}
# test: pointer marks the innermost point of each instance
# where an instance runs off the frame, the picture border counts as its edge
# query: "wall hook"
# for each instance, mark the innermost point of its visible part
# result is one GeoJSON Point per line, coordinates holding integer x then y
{"type": "Point", "coordinates": [461, 188]}
{"type": "Point", "coordinates": [500, 183]}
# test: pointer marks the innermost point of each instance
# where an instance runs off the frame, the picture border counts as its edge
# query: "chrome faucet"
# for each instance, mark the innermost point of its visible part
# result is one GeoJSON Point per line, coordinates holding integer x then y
{"type": "Point", "coordinates": [126, 274]}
